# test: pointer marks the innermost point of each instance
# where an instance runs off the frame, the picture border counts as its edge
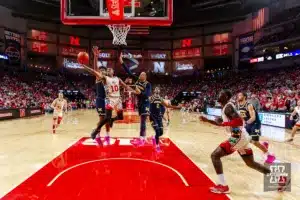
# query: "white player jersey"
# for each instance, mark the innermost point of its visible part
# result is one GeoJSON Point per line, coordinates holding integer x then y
{"type": "Point", "coordinates": [59, 105]}
{"type": "Point", "coordinates": [113, 86]}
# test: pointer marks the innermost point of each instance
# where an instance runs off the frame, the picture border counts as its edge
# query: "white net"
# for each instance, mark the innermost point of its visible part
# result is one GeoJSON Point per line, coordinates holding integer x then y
{"type": "Point", "coordinates": [119, 32]}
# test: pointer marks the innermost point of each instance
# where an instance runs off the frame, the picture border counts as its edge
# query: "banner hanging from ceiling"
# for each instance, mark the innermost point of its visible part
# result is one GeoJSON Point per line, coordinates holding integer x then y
{"type": "Point", "coordinates": [246, 44]}
{"type": "Point", "coordinates": [13, 46]}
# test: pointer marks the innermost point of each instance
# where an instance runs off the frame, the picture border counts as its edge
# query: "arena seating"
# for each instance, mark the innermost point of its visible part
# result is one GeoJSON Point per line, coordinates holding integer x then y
{"type": "Point", "coordinates": [275, 90]}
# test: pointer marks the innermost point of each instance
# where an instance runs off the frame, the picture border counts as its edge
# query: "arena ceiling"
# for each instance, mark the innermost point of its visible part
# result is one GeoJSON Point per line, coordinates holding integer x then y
{"type": "Point", "coordinates": [186, 12]}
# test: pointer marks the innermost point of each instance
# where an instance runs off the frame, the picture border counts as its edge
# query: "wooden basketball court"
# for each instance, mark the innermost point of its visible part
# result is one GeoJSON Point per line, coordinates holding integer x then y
{"type": "Point", "coordinates": [38, 165]}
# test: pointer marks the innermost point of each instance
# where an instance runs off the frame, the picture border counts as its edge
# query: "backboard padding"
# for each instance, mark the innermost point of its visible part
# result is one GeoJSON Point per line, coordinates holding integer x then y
{"type": "Point", "coordinates": [137, 12]}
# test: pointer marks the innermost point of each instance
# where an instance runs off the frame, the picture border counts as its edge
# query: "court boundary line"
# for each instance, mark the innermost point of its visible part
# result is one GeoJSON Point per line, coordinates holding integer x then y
{"type": "Point", "coordinates": [47, 162]}
{"type": "Point", "coordinates": [107, 159]}
{"type": "Point", "coordinates": [173, 141]}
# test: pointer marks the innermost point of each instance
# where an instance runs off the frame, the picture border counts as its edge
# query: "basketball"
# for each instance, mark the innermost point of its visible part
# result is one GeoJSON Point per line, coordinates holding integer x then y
{"type": "Point", "coordinates": [83, 58]}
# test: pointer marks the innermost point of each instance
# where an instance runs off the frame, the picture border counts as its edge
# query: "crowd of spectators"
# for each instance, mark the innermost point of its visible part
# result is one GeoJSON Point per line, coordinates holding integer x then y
{"type": "Point", "coordinates": [276, 91]}
{"type": "Point", "coordinates": [269, 91]}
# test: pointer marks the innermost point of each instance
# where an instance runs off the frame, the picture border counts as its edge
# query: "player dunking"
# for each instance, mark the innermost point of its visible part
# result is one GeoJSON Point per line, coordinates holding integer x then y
{"type": "Point", "coordinates": [297, 125]}
{"type": "Point", "coordinates": [113, 99]}
{"type": "Point", "coordinates": [239, 141]}
{"type": "Point", "coordinates": [100, 93]}
{"type": "Point", "coordinates": [143, 91]}
{"type": "Point", "coordinates": [252, 124]}
{"type": "Point", "coordinates": [58, 106]}
{"type": "Point", "coordinates": [156, 116]}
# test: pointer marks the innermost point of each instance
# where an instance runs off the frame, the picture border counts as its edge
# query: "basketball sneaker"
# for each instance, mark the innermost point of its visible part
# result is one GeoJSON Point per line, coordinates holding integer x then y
{"type": "Point", "coordinates": [107, 140]}
{"type": "Point", "coordinates": [138, 142]}
{"type": "Point", "coordinates": [284, 183]}
{"type": "Point", "coordinates": [98, 141]}
{"type": "Point", "coordinates": [220, 189]}
{"type": "Point", "coordinates": [158, 149]}
{"type": "Point", "coordinates": [290, 140]}
{"type": "Point", "coordinates": [270, 159]}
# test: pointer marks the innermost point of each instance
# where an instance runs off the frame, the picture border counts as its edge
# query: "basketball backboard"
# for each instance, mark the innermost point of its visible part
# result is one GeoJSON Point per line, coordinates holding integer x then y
{"type": "Point", "coordinates": [136, 12]}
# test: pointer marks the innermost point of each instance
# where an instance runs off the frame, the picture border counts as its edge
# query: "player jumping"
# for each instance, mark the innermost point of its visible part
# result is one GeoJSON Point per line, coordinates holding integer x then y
{"type": "Point", "coordinates": [239, 141]}
{"type": "Point", "coordinates": [58, 106]}
{"type": "Point", "coordinates": [143, 92]}
{"type": "Point", "coordinates": [156, 116]}
{"type": "Point", "coordinates": [113, 99]}
{"type": "Point", "coordinates": [101, 94]}
{"type": "Point", "coordinates": [297, 125]}
{"type": "Point", "coordinates": [252, 125]}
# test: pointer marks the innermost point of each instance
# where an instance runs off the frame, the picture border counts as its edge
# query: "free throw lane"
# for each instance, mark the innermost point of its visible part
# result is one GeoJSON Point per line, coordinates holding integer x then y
{"type": "Point", "coordinates": [118, 171]}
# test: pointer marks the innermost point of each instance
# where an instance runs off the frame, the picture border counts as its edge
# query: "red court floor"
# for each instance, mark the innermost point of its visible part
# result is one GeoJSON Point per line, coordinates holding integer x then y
{"type": "Point", "coordinates": [119, 171]}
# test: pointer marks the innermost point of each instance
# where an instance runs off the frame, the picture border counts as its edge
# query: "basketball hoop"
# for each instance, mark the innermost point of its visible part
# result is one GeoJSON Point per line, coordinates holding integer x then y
{"type": "Point", "coordinates": [119, 32]}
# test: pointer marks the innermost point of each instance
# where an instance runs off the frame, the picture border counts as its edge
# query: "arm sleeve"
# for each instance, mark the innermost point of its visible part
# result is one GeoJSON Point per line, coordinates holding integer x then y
{"type": "Point", "coordinates": [127, 70]}
{"type": "Point", "coordinates": [147, 91]}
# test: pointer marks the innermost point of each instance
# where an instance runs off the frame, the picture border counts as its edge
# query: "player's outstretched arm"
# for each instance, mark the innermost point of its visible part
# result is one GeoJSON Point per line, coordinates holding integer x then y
{"type": "Point", "coordinates": [98, 74]}
{"type": "Point", "coordinates": [127, 70]}
{"type": "Point", "coordinates": [166, 104]}
{"type": "Point", "coordinates": [96, 52]}
{"type": "Point", "coordinates": [124, 85]}
{"type": "Point", "coordinates": [217, 122]}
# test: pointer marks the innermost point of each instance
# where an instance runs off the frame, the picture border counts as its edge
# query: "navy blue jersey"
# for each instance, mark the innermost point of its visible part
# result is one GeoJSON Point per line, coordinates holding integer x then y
{"type": "Point", "coordinates": [156, 105]}
{"type": "Point", "coordinates": [245, 114]}
{"type": "Point", "coordinates": [145, 88]}
{"type": "Point", "coordinates": [100, 90]}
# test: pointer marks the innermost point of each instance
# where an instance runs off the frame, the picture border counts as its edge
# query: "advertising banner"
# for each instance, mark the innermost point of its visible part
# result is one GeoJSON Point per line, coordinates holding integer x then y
{"type": "Point", "coordinates": [159, 55]}
{"type": "Point", "coordinates": [270, 119]}
{"type": "Point", "coordinates": [246, 44]}
{"type": "Point", "coordinates": [71, 51]}
{"type": "Point", "coordinates": [19, 113]}
{"type": "Point", "coordinates": [13, 46]}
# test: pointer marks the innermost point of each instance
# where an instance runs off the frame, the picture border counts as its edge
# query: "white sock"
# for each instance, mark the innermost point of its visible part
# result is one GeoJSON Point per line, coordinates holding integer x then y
{"type": "Point", "coordinates": [142, 137]}
{"type": "Point", "coordinates": [98, 136]}
{"type": "Point", "coordinates": [107, 133]}
{"type": "Point", "coordinates": [222, 179]}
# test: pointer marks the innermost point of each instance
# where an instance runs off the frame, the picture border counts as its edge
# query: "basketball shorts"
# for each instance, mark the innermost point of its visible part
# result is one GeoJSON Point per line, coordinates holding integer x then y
{"type": "Point", "coordinates": [100, 106]}
{"type": "Point", "coordinates": [239, 144]}
{"type": "Point", "coordinates": [156, 120]}
{"type": "Point", "coordinates": [114, 103]}
{"type": "Point", "coordinates": [254, 131]}
{"type": "Point", "coordinates": [144, 108]}
{"type": "Point", "coordinates": [57, 114]}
